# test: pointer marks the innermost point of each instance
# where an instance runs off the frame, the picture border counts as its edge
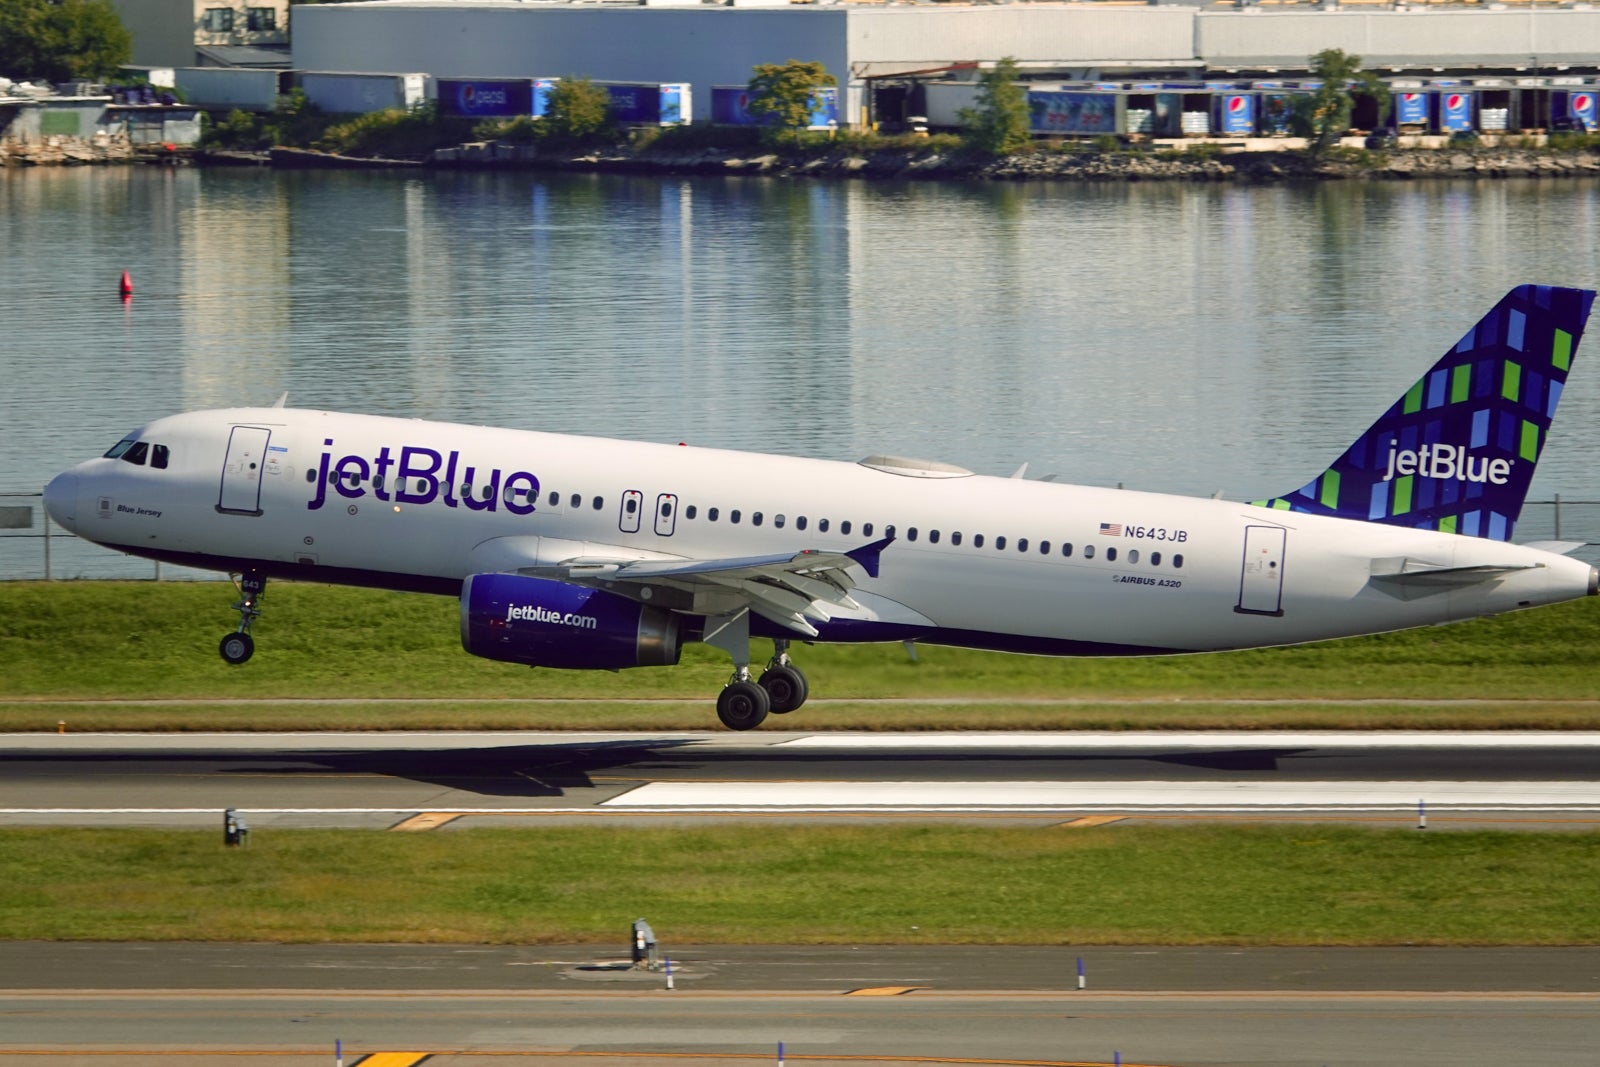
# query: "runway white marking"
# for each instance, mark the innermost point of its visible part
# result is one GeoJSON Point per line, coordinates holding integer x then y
{"type": "Point", "coordinates": [1204, 739]}
{"type": "Point", "coordinates": [1115, 796]}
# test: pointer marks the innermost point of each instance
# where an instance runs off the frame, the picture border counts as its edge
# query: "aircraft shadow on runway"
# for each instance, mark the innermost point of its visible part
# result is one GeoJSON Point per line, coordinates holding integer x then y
{"type": "Point", "coordinates": [551, 770]}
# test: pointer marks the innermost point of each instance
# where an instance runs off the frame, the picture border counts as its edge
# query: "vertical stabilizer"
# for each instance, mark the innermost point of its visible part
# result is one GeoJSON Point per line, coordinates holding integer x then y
{"type": "Point", "coordinates": [1456, 453]}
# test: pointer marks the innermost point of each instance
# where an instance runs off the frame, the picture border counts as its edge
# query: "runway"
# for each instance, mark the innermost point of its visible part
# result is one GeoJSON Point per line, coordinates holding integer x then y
{"type": "Point", "coordinates": [470, 1005]}
{"type": "Point", "coordinates": [428, 781]}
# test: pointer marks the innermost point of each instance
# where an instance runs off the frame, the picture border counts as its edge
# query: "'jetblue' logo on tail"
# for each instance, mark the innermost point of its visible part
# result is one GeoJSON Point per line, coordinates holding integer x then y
{"type": "Point", "coordinates": [1446, 461]}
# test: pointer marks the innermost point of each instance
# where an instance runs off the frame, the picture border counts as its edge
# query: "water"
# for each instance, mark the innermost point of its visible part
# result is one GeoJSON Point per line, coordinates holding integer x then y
{"type": "Point", "coordinates": [1192, 339]}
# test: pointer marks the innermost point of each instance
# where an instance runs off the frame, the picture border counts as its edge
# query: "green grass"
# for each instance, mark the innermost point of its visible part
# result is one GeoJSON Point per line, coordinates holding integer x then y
{"type": "Point", "coordinates": [785, 884]}
{"type": "Point", "coordinates": [107, 641]}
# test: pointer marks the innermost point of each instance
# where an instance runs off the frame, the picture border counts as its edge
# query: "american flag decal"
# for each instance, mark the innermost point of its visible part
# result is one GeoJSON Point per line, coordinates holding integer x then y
{"type": "Point", "coordinates": [1111, 529]}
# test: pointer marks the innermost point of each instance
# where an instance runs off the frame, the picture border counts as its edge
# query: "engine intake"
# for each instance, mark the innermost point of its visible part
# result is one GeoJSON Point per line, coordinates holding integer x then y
{"type": "Point", "coordinates": [546, 623]}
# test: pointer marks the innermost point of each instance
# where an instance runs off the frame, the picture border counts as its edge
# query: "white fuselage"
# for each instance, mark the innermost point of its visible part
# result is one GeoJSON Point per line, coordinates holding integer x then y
{"type": "Point", "coordinates": [979, 561]}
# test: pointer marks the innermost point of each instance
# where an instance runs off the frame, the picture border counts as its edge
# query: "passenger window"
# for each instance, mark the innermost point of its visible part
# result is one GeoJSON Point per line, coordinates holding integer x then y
{"type": "Point", "coordinates": [977, 540]}
{"type": "Point", "coordinates": [888, 531]}
{"type": "Point", "coordinates": [999, 543]}
{"type": "Point", "coordinates": [158, 457]}
{"type": "Point", "coordinates": [1177, 560]}
{"type": "Point", "coordinates": [800, 523]}
{"type": "Point", "coordinates": [1022, 544]}
{"type": "Point", "coordinates": [777, 521]}
{"type": "Point", "coordinates": [311, 475]}
{"type": "Point", "coordinates": [911, 533]}
{"type": "Point", "coordinates": [844, 527]}
{"type": "Point", "coordinates": [577, 500]}
{"type": "Point", "coordinates": [136, 454]}
{"type": "Point", "coordinates": [466, 490]}
{"type": "Point", "coordinates": [1044, 548]}
{"type": "Point", "coordinates": [1133, 555]}
{"type": "Point", "coordinates": [1088, 552]}
{"type": "Point", "coordinates": [488, 491]}
{"type": "Point", "coordinates": [599, 502]}
{"type": "Point", "coordinates": [822, 526]}
{"type": "Point", "coordinates": [755, 518]}
{"type": "Point", "coordinates": [711, 515]}
{"type": "Point", "coordinates": [933, 537]}
{"type": "Point", "coordinates": [377, 481]}
{"type": "Point", "coordinates": [733, 516]}
{"type": "Point", "coordinates": [1066, 548]}
{"type": "Point", "coordinates": [555, 499]}
{"type": "Point", "coordinates": [690, 511]}
{"type": "Point", "coordinates": [1155, 559]}
{"type": "Point", "coordinates": [1111, 555]}
{"type": "Point", "coordinates": [630, 505]}
{"type": "Point", "coordinates": [866, 529]}
{"type": "Point", "coordinates": [955, 538]}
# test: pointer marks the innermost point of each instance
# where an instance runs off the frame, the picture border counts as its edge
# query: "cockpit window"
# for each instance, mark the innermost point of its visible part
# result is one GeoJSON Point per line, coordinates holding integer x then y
{"type": "Point", "coordinates": [158, 457]}
{"type": "Point", "coordinates": [120, 447]}
{"type": "Point", "coordinates": [137, 453]}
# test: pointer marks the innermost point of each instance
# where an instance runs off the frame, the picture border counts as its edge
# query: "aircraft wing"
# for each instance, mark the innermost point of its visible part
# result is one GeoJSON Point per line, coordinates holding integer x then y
{"type": "Point", "coordinates": [790, 589]}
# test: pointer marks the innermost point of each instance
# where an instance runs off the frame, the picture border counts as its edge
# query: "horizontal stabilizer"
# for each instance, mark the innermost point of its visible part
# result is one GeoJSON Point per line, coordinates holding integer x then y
{"type": "Point", "coordinates": [1411, 579]}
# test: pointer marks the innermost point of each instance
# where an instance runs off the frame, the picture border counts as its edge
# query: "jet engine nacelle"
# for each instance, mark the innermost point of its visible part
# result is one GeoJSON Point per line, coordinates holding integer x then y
{"type": "Point", "coordinates": [546, 623]}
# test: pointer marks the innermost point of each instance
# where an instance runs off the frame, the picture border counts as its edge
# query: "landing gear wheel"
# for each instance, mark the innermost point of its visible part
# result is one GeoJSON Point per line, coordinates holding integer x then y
{"type": "Point", "coordinates": [237, 647]}
{"type": "Point", "coordinates": [743, 705]}
{"type": "Point", "coordinates": [785, 686]}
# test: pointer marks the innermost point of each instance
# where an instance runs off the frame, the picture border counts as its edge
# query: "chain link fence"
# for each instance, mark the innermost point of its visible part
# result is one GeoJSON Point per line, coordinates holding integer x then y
{"type": "Point", "coordinates": [32, 547]}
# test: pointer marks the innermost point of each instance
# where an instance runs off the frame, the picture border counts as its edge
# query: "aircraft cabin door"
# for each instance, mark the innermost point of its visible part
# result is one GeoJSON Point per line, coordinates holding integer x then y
{"type": "Point", "coordinates": [1261, 577]}
{"type": "Point", "coordinates": [241, 471]}
{"type": "Point", "coordinates": [666, 514]}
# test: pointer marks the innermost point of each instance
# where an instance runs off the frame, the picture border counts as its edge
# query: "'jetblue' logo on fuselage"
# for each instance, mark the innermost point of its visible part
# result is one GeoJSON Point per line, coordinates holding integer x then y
{"type": "Point", "coordinates": [1447, 462]}
{"type": "Point", "coordinates": [420, 475]}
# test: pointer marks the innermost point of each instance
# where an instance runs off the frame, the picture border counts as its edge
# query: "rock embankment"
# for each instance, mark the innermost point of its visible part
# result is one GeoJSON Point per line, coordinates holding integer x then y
{"type": "Point", "coordinates": [1204, 164]}
{"type": "Point", "coordinates": [66, 152]}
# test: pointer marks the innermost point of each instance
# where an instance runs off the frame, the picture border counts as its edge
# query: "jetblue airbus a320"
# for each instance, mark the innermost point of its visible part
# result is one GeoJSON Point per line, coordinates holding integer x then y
{"type": "Point", "coordinates": [597, 554]}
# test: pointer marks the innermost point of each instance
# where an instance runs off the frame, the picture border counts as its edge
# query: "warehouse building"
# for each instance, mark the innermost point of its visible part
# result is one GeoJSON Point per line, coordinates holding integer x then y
{"type": "Point", "coordinates": [880, 51]}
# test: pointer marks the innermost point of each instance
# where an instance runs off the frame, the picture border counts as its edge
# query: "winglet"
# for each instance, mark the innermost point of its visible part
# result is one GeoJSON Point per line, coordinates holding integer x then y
{"type": "Point", "coordinates": [867, 555]}
{"type": "Point", "coordinates": [1456, 452]}
{"type": "Point", "coordinates": [282, 400]}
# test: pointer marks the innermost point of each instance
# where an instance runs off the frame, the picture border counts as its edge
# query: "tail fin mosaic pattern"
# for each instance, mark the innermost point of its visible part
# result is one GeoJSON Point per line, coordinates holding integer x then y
{"type": "Point", "coordinates": [1456, 453]}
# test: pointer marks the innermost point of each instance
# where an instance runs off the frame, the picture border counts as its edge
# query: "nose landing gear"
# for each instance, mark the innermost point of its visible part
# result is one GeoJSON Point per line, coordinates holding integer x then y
{"type": "Point", "coordinates": [239, 646]}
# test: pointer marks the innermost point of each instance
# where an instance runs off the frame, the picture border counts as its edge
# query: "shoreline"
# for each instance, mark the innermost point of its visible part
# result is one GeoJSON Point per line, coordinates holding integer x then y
{"type": "Point", "coordinates": [1197, 163]}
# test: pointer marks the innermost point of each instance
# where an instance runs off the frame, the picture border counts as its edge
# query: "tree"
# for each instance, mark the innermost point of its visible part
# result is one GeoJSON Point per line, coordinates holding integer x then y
{"type": "Point", "coordinates": [62, 40]}
{"type": "Point", "coordinates": [578, 110]}
{"type": "Point", "coordinates": [784, 92]}
{"type": "Point", "coordinates": [999, 124]}
{"type": "Point", "coordinates": [1322, 116]}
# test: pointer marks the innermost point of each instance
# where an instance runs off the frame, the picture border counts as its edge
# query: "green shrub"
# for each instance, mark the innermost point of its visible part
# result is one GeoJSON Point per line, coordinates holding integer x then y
{"type": "Point", "coordinates": [405, 134]}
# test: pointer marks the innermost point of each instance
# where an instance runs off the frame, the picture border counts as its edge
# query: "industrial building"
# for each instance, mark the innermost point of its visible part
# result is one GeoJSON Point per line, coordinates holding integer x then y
{"type": "Point", "coordinates": [882, 53]}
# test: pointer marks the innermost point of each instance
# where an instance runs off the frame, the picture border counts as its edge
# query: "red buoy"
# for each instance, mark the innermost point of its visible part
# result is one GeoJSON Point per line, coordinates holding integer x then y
{"type": "Point", "coordinates": [126, 288]}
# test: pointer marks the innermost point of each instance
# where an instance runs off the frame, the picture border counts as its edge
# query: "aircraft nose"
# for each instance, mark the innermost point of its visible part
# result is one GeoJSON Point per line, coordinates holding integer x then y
{"type": "Point", "coordinates": [61, 499]}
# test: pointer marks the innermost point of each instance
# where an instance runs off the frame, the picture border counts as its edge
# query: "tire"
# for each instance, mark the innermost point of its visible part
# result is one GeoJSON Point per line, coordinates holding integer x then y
{"type": "Point", "coordinates": [786, 688]}
{"type": "Point", "coordinates": [743, 706]}
{"type": "Point", "coordinates": [236, 648]}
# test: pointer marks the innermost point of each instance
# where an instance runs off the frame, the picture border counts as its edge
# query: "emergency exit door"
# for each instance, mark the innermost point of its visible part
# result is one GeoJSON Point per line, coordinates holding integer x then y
{"type": "Point", "coordinates": [1261, 576]}
{"type": "Point", "coordinates": [241, 470]}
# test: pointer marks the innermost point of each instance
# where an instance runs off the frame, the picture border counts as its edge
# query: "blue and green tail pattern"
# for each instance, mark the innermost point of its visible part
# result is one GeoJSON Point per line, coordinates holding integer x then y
{"type": "Point", "coordinates": [1456, 453]}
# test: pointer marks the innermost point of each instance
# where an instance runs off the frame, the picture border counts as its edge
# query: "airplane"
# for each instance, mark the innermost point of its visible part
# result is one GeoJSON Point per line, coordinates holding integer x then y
{"type": "Point", "coordinates": [594, 554]}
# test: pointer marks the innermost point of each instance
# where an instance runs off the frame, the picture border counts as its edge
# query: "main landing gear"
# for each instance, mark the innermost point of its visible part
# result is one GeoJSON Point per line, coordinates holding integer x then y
{"type": "Point", "coordinates": [744, 704]}
{"type": "Point", "coordinates": [239, 645]}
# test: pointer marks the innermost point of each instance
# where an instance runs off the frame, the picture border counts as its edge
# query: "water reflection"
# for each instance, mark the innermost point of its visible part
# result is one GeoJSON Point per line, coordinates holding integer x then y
{"type": "Point", "coordinates": [1186, 338]}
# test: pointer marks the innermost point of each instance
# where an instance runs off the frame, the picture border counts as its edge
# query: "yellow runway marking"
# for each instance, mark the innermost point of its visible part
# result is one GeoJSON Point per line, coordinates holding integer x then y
{"type": "Point", "coordinates": [426, 820]}
{"type": "Point", "coordinates": [1092, 820]}
{"type": "Point", "coordinates": [885, 991]}
{"type": "Point", "coordinates": [393, 1059]}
